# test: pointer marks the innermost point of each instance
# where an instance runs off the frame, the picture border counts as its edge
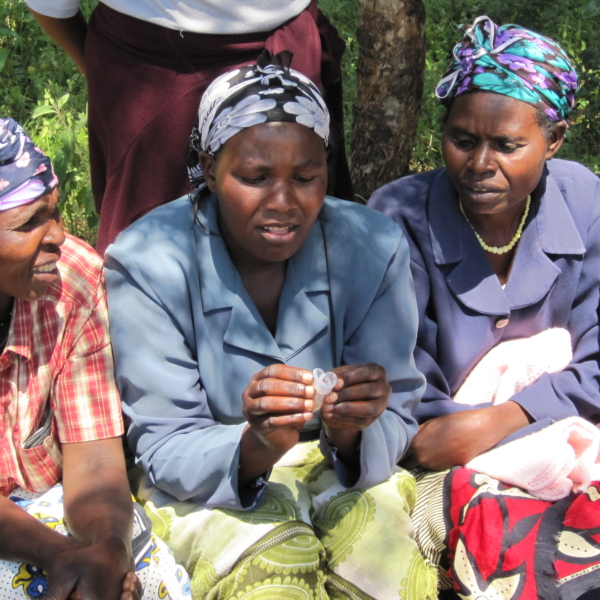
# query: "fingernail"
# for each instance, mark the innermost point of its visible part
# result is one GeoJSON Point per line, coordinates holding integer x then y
{"type": "Point", "coordinates": [308, 377]}
{"type": "Point", "coordinates": [309, 405]}
{"type": "Point", "coordinates": [310, 391]}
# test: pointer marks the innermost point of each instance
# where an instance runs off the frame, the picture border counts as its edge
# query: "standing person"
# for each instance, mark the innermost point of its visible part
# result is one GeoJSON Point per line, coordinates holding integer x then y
{"type": "Point", "coordinates": [147, 65]}
{"type": "Point", "coordinates": [505, 248]}
{"type": "Point", "coordinates": [220, 308]}
{"type": "Point", "coordinates": [66, 515]}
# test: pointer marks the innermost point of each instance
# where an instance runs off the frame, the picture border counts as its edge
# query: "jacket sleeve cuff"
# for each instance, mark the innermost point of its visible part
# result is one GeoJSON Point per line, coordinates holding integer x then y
{"type": "Point", "coordinates": [252, 494]}
{"type": "Point", "coordinates": [382, 444]}
{"type": "Point", "coordinates": [541, 401]}
{"type": "Point", "coordinates": [346, 476]}
{"type": "Point", "coordinates": [431, 409]}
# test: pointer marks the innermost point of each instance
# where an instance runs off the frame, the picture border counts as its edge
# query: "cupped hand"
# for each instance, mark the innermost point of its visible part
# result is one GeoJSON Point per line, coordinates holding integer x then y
{"type": "Point", "coordinates": [453, 440]}
{"type": "Point", "coordinates": [359, 397]}
{"type": "Point", "coordinates": [277, 403]}
{"type": "Point", "coordinates": [102, 571]}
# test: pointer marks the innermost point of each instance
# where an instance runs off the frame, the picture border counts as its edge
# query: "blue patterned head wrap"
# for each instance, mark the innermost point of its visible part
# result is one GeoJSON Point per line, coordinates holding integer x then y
{"type": "Point", "coordinates": [267, 91]}
{"type": "Point", "coordinates": [513, 61]}
{"type": "Point", "coordinates": [25, 171]}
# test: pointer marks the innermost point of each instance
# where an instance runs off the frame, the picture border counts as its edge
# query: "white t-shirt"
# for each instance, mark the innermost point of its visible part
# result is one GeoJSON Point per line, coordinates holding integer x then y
{"type": "Point", "coordinates": [199, 16]}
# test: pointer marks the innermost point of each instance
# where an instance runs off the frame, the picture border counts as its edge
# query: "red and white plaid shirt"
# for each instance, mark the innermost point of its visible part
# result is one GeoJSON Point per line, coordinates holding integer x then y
{"type": "Point", "coordinates": [57, 358]}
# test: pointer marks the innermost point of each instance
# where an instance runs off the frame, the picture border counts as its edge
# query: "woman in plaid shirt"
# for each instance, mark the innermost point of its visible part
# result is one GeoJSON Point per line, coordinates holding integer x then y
{"type": "Point", "coordinates": [61, 415]}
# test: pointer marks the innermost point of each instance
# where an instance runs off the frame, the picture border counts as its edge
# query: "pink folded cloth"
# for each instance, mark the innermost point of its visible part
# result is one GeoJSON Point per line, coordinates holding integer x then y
{"type": "Point", "coordinates": [549, 464]}
{"type": "Point", "coordinates": [511, 366]}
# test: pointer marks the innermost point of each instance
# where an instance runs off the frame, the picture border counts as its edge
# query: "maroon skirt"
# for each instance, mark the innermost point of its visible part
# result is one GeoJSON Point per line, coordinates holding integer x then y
{"type": "Point", "coordinates": [144, 88]}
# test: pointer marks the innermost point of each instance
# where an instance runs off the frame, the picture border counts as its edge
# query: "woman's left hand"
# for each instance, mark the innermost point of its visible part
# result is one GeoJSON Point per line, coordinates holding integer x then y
{"type": "Point", "coordinates": [358, 399]}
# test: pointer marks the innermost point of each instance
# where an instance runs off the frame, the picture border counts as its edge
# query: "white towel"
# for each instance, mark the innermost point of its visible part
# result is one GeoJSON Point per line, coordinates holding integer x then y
{"type": "Point", "coordinates": [511, 366]}
{"type": "Point", "coordinates": [549, 464]}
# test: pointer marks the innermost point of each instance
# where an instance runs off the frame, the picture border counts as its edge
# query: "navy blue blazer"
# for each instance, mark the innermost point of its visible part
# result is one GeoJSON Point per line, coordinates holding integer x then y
{"type": "Point", "coordinates": [554, 282]}
{"type": "Point", "coordinates": [187, 339]}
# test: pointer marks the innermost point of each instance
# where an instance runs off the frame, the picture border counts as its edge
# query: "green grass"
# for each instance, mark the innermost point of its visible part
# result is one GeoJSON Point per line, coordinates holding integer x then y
{"type": "Point", "coordinates": [43, 90]}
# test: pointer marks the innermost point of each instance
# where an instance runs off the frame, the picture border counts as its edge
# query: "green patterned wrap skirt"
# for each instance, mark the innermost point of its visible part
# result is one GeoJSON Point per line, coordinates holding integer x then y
{"type": "Point", "coordinates": [310, 538]}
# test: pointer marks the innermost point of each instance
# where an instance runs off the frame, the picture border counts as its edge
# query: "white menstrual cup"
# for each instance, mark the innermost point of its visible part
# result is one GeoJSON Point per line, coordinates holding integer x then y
{"type": "Point", "coordinates": [323, 384]}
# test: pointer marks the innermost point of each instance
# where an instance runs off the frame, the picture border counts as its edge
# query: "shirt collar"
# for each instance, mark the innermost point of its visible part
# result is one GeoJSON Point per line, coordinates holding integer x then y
{"type": "Point", "coordinates": [20, 336]}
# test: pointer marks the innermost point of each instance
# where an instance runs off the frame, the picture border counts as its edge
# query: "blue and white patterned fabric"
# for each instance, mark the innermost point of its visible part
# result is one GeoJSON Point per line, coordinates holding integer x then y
{"type": "Point", "coordinates": [513, 61]}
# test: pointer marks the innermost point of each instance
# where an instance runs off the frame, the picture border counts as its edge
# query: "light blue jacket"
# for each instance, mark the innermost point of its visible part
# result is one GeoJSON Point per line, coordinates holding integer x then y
{"type": "Point", "coordinates": [187, 339]}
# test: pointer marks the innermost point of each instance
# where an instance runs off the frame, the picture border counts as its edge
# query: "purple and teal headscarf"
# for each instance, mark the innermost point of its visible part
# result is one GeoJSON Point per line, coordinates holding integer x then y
{"type": "Point", "coordinates": [25, 171]}
{"type": "Point", "coordinates": [513, 61]}
{"type": "Point", "coordinates": [268, 91]}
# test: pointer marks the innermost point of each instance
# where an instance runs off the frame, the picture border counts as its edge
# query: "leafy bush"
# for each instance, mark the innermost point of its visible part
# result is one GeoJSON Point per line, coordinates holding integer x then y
{"type": "Point", "coordinates": [573, 23]}
{"type": "Point", "coordinates": [44, 91]}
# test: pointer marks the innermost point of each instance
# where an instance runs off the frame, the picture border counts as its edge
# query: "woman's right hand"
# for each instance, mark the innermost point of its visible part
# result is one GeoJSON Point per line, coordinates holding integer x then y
{"type": "Point", "coordinates": [277, 403]}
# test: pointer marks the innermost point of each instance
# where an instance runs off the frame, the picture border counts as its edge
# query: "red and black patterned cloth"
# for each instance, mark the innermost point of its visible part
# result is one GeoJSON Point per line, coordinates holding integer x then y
{"type": "Point", "coordinates": [503, 543]}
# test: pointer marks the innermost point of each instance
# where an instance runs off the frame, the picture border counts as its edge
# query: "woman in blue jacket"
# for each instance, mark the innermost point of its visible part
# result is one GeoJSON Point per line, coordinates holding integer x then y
{"type": "Point", "coordinates": [505, 244]}
{"type": "Point", "coordinates": [220, 308]}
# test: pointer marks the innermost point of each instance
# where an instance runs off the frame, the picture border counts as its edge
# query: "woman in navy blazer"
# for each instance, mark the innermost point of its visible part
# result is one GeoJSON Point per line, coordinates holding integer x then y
{"type": "Point", "coordinates": [504, 244]}
{"type": "Point", "coordinates": [465, 310]}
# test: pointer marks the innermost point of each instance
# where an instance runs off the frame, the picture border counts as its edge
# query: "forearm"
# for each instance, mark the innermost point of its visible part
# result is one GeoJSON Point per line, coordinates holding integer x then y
{"type": "Point", "coordinates": [97, 498]}
{"type": "Point", "coordinates": [454, 440]}
{"type": "Point", "coordinates": [68, 33]}
{"type": "Point", "coordinates": [25, 539]}
{"type": "Point", "coordinates": [502, 421]}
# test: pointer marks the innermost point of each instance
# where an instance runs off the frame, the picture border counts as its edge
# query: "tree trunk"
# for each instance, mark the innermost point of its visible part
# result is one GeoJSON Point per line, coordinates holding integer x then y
{"type": "Point", "coordinates": [390, 72]}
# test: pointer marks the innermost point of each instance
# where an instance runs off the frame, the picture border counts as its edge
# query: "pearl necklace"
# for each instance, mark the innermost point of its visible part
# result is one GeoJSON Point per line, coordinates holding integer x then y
{"type": "Point", "coordinates": [512, 243]}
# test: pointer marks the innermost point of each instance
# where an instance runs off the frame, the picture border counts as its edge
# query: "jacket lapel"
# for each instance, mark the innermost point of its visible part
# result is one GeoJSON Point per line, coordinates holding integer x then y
{"type": "Point", "coordinates": [551, 231]}
{"type": "Point", "coordinates": [472, 279]}
{"type": "Point", "coordinates": [300, 321]}
{"type": "Point", "coordinates": [246, 329]}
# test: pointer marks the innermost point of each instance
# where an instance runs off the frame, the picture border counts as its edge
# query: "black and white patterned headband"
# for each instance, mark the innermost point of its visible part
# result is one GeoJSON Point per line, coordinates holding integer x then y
{"type": "Point", "coordinates": [268, 91]}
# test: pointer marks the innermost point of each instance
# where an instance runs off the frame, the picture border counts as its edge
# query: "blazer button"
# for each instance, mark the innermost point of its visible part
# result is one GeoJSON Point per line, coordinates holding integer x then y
{"type": "Point", "coordinates": [501, 322]}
